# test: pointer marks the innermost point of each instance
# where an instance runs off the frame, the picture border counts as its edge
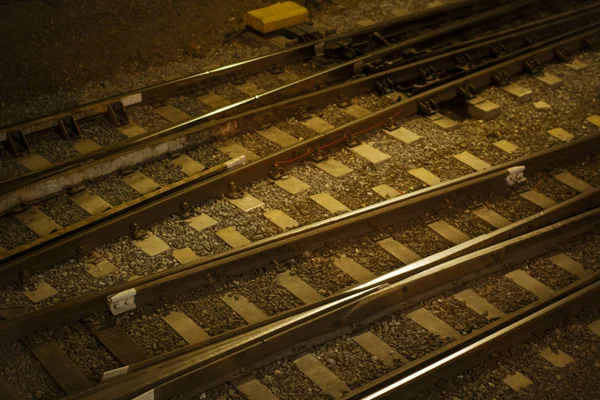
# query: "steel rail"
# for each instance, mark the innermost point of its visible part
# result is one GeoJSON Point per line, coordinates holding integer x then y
{"type": "Point", "coordinates": [198, 369]}
{"type": "Point", "coordinates": [452, 360]}
{"type": "Point", "coordinates": [305, 85]}
{"type": "Point", "coordinates": [579, 204]}
{"type": "Point", "coordinates": [251, 66]}
{"type": "Point", "coordinates": [286, 245]}
{"type": "Point", "coordinates": [65, 244]}
{"type": "Point", "coordinates": [28, 188]}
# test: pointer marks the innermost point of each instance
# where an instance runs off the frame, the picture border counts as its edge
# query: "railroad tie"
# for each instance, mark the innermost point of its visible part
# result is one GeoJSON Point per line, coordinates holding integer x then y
{"type": "Point", "coordinates": [482, 109]}
{"type": "Point", "coordinates": [595, 327]}
{"type": "Point", "coordinates": [403, 135]}
{"type": "Point", "coordinates": [140, 182]}
{"type": "Point", "coordinates": [333, 167]}
{"type": "Point", "coordinates": [34, 162]}
{"type": "Point", "coordinates": [172, 114]}
{"type": "Point", "coordinates": [491, 217]}
{"type": "Point", "coordinates": [185, 255]}
{"type": "Point", "coordinates": [185, 327]}
{"type": "Point", "coordinates": [472, 161]}
{"type": "Point", "coordinates": [365, 22]}
{"type": "Point", "coordinates": [399, 251]}
{"type": "Point", "coordinates": [244, 308]}
{"type": "Point", "coordinates": [235, 150]}
{"type": "Point", "coordinates": [213, 100]}
{"type": "Point", "coordinates": [517, 381]}
{"type": "Point", "coordinates": [253, 389]}
{"type": "Point", "coordinates": [317, 124]}
{"type": "Point", "coordinates": [425, 176]}
{"type": "Point", "coordinates": [281, 219]}
{"type": "Point", "coordinates": [541, 106]}
{"type": "Point", "coordinates": [99, 267]}
{"type": "Point", "coordinates": [329, 203]}
{"type": "Point", "coordinates": [90, 202]}
{"type": "Point", "coordinates": [370, 153]}
{"type": "Point", "coordinates": [518, 92]}
{"type": "Point", "coordinates": [40, 292]}
{"type": "Point", "coordinates": [152, 245]}
{"type": "Point", "coordinates": [298, 287]}
{"type": "Point", "coordinates": [356, 111]}
{"type": "Point", "coordinates": [478, 304]}
{"type": "Point", "coordinates": [538, 199]}
{"type": "Point", "coordinates": [85, 146]}
{"type": "Point", "coordinates": [571, 266]}
{"type": "Point", "coordinates": [201, 222]}
{"type": "Point", "coordinates": [353, 269]}
{"type": "Point", "coordinates": [118, 343]}
{"type": "Point", "coordinates": [435, 3]}
{"type": "Point", "coordinates": [556, 357]}
{"type": "Point", "coordinates": [277, 136]}
{"type": "Point", "coordinates": [550, 79]}
{"type": "Point", "coordinates": [594, 119]}
{"type": "Point", "coordinates": [573, 182]}
{"type": "Point", "coordinates": [188, 165]}
{"type": "Point", "coordinates": [58, 365]}
{"type": "Point", "coordinates": [292, 185]}
{"type": "Point", "coordinates": [530, 284]}
{"type": "Point", "coordinates": [442, 121]}
{"type": "Point", "coordinates": [250, 89]}
{"type": "Point", "coordinates": [321, 376]}
{"type": "Point", "coordinates": [399, 12]}
{"type": "Point", "coordinates": [433, 324]}
{"type": "Point", "coordinates": [506, 146]}
{"type": "Point", "coordinates": [287, 77]}
{"type": "Point", "coordinates": [246, 203]}
{"type": "Point", "coordinates": [37, 221]}
{"type": "Point", "coordinates": [232, 237]}
{"type": "Point", "coordinates": [449, 232]}
{"type": "Point", "coordinates": [576, 64]}
{"type": "Point", "coordinates": [373, 345]}
{"type": "Point", "coordinates": [132, 130]}
{"type": "Point", "coordinates": [386, 191]}
{"type": "Point", "coordinates": [561, 134]}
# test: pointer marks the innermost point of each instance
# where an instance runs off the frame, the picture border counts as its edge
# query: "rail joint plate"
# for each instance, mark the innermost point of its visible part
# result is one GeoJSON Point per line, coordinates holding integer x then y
{"type": "Point", "coordinates": [122, 301]}
{"type": "Point", "coordinates": [516, 175]}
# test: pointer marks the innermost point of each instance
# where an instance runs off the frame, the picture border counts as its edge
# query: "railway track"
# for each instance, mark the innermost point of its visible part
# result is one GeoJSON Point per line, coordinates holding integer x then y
{"type": "Point", "coordinates": [157, 143]}
{"type": "Point", "coordinates": [308, 269]}
{"type": "Point", "coordinates": [74, 235]}
{"type": "Point", "coordinates": [210, 103]}
{"type": "Point", "coordinates": [200, 273]}
{"type": "Point", "coordinates": [413, 327]}
{"type": "Point", "coordinates": [543, 363]}
{"type": "Point", "coordinates": [24, 189]}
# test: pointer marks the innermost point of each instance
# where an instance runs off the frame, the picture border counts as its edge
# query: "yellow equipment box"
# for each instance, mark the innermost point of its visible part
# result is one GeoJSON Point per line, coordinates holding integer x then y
{"type": "Point", "coordinates": [277, 16]}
